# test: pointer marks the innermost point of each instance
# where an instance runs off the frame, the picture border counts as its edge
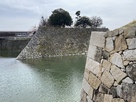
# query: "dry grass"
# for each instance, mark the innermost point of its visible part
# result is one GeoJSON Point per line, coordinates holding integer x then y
{"type": "Point", "coordinates": [131, 24]}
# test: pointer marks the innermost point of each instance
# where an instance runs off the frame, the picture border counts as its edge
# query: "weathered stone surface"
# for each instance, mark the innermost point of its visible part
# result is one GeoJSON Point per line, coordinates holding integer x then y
{"type": "Point", "coordinates": [116, 32]}
{"type": "Point", "coordinates": [113, 92]}
{"type": "Point", "coordinates": [128, 92]}
{"type": "Point", "coordinates": [86, 70]}
{"type": "Point", "coordinates": [131, 43]}
{"type": "Point", "coordinates": [106, 65]}
{"type": "Point", "coordinates": [109, 44]}
{"type": "Point", "coordinates": [120, 43]}
{"type": "Point", "coordinates": [83, 96]}
{"type": "Point", "coordinates": [121, 31]}
{"type": "Point", "coordinates": [117, 73]}
{"type": "Point", "coordinates": [86, 75]}
{"type": "Point", "coordinates": [99, 97]}
{"type": "Point", "coordinates": [131, 71]}
{"type": "Point", "coordinates": [92, 66]}
{"type": "Point", "coordinates": [98, 55]}
{"type": "Point", "coordinates": [127, 80]}
{"type": "Point", "coordinates": [86, 86]}
{"type": "Point", "coordinates": [105, 55]}
{"type": "Point", "coordinates": [130, 32]}
{"type": "Point", "coordinates": [94, 81]}
{"type": "Point", "coordinates": [88, 99]}
{"type": "Point", "coordinates": [98, 39]}
{"type": "Point", "coordinates": [107, 79]}
{"type": "Point", "coordinates": [118, 100]}
{"type": "Point", "coordinates": [129, 55]}
{"type": "Point", "coordinates": [119, 90]}
{"type": "Point", "coordinates": [117, 60]}
{"type": "Point", "coordinates": [91, 92]}
{"type": "Point", "coordinates": [125, 63]}
{"type": "Point", "coordinates": [112, 33]}
{"type": "Point", "coordinates": [108, 34]}
{"type": "Point", "coordinates": [115, 83]}
{"type": "Point", "coordinates": [94, 53]}
{"type": "Point", "coordinates": [123, 70]}
{"type": "Point", "coordinates": [103, 89]}
{"type": "Point", "coordinates": [108, 98]}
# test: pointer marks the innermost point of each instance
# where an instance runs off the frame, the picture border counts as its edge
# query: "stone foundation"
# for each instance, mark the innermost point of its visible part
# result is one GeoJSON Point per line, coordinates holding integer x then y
{"type": "Point", "coordinates": [110, 70]}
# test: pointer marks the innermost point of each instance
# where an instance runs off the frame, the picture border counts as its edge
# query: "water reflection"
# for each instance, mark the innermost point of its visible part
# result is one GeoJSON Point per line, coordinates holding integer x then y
{"type": "Point", "coordinates": [44, 80]}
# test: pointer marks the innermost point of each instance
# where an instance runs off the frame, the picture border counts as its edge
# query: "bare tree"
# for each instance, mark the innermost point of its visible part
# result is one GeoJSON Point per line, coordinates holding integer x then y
{"type": "Point", "coordinates": [43, 22]}
{"type": "Point", "coordinates": [96, 21]}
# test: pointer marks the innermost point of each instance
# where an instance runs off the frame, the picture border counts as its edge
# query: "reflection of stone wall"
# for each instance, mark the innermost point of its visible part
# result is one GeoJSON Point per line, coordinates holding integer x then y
{"type": "Point", "coordinates": [52, 42]}
{"type": "Point", "coordinates": [110, 71]}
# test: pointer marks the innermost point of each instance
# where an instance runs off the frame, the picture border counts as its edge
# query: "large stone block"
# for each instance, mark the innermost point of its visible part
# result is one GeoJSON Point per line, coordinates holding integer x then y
{"type": "Point", "coordinates": [91, 92]}
{"type": "Point", "coordinates": [98, 39]}
{"type": "Point", "coordinates": [118, 100]}
{"type": "Point", "coordinates": [117, 60]}
{"type": "Point", "coordinates": [92, 51]}
{"type": "Point", "coordinates": [86, 86]}
{"type": "Point", "coordinates": [99, 97]}
{"type": "Point", "coordinates": [128, 92]}
{"type": "Point", "coordinates": [130, 32]}
{"type": "Point", "coordinates": [119, 90]}
{"type": "Point", "coordinates": [129, 55]}
{"type": "Point", "coordinates": [113, 92]}
{"type": "Point", "coordinates": [107, 79]}
{"type": "Point", "coordinates": [93, 66]}
{"type": "Point", "coordinates": [88, 99]}
{"type": "Point", "coordinates": [103, 89]}
{"type": "Point", "coordinates": [117, 73]}
{"type": "Point", "coordinates": [120, 43]}
{"type": "Point", "coordinates": [127, 80]}
{"type": "Point", "coordinates": [94, 81]}
{"type": "Point", "coordinates": [131, 43]}
{"type": "Point", "coordinates": [106, 65]}
{"type": "Point", "coordinates": [131, 71]}
{"type": "Point", "coordinates": [109, 44]}
{"type": "Point", "coordinates": [83, 96]}
{"type": "Point", "coordinates": [108, 98]}
{"type": "Point", "coordinates": [112, 33]}
{"type": "Point", "coordinates": [86, 75]}
{"type": "Point", "coordinates": [95, 53]}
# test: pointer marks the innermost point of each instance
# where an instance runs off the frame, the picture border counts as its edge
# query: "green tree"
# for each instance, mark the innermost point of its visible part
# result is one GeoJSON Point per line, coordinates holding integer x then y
{"type": "Point", "coordinates": [96, 21]}
{"type": "Point", "coordinates": [83, 22]}
{"type": "Point", "coordinates": [60, 18]}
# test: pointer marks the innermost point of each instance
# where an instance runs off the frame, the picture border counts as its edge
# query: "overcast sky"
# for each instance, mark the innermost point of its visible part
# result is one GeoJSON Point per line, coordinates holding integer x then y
{"type": "Point", "coordinates": [24, 14]}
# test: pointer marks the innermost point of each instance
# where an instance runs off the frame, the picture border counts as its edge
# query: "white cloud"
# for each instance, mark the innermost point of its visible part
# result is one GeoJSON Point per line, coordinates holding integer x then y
{"type": "Point", "coordinates": [113, 12]}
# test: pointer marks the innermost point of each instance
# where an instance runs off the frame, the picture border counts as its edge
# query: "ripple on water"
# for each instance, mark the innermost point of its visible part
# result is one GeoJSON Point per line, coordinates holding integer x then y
{"type": "Point", "coordinates": [45, 80]}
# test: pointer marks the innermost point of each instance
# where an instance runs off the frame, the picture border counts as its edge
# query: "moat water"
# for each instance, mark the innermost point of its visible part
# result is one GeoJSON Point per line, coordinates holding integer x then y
{"type": "Point", "coordinates": [41, 80]}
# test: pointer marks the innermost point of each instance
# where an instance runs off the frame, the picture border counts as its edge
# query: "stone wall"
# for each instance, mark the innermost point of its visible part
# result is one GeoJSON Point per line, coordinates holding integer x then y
{"type": "Point", "coordinates": [53, 42]}
{"type": "Point", "coordinates": [110, 70]}
{"type": "Point", "coordinates": [11, 48]}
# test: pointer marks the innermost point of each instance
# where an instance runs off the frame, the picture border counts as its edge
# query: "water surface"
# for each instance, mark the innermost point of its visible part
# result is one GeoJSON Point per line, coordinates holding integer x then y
{"type": "Point", "coordinates": [41, 80]}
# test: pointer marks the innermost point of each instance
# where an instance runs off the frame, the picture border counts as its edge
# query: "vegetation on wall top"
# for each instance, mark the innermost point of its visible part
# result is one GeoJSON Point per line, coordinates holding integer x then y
{"type": "Point", "coordinates": [62, 18]}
